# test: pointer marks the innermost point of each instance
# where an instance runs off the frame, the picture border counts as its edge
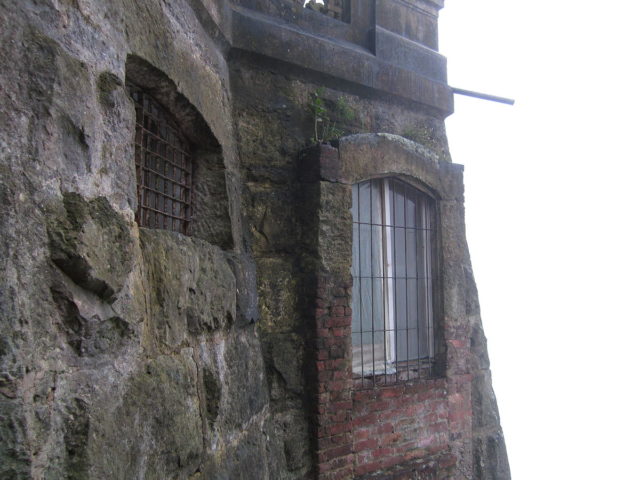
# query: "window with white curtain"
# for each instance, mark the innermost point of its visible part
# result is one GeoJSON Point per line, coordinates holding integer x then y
{"type": "Point", "coordinates": [392, 269]}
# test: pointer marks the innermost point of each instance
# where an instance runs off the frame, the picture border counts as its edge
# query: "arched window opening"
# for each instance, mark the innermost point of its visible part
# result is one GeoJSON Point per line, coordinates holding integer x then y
{"type": "Point", "coordinates": [181, 178]}
{"type": "Point", "coordinates": [164, 166]}
{"type": "Point", "coordinates": [393, 269]}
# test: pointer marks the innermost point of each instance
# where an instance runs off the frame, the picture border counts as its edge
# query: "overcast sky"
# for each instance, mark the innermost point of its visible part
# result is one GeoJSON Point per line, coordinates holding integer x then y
{"type": "Point", "coordinates": [553, 223]}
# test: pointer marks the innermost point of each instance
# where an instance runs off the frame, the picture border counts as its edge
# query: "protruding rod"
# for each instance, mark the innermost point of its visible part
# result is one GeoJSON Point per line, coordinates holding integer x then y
{"type": "Point", "coordinates": [483, 96]}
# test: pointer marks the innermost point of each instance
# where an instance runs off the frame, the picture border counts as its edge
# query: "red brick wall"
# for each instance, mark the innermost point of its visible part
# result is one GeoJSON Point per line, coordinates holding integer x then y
{"type": "Point", "coordinates": [399, 424]}
{"type": "Point", "coordinates": [413, 429]}
{"type": "Point", "coordinates": [393, 429]}
{"type": "Point", "coordinates": [335, 385]}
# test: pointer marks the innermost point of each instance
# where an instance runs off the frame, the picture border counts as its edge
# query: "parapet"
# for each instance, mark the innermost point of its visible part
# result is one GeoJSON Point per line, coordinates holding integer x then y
{"type": "Point", "coordinates": [389, 46]}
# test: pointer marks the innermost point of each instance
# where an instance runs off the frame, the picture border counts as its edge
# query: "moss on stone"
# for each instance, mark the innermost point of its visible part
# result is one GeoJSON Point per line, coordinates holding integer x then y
{"type": "Point", "coordinates": [107, 83]}
{"type": "Point", "coordinates": [91, 243]}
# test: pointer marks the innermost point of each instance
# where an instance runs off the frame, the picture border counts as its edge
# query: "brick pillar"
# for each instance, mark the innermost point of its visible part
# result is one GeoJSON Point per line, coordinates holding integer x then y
{"type": "Point", "coordinates": [334, 388]}
{"type": "Point", "coordinates": [332, 315]}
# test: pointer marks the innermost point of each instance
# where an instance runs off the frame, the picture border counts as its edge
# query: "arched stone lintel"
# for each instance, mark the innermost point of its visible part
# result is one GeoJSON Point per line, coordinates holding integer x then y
{"type": "Point", "coordinates": [369, 155]}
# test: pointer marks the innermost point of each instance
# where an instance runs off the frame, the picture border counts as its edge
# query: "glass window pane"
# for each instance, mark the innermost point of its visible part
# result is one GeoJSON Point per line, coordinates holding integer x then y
{"type": "Point", "coordinates": [364, 301]}
{"type": "Point", "coordinates": [376, 202]}
{"type": "Point", "coordinates": [378, 304]}
{"type": "Point", "coordinates": [424, 318]}
{"type": "Point", "coordinates": [365, 250]}
{"type": "Point", "coordinates": [392, 305]}
{"type": "Point", "coordinates": [400, 309]}
{"type": "Point", "coordinates": [355, 203]}
{"type": "Point", "coordinates": [355, 252]}
{"type": "Point", "coordinates": [398, 204]}
{"type": "Point", "coordinates": [412, 253]}
{"type": "Point", "coordinates": [356, 317]}
{"type": "Point", "coordinates": [364, 202]}
{"type": "Point", "coordinates": [412, 303]}
{"type": "Point", "coordinates": [399, 252]}
{"type": "Point", "coordinates": [412, 339]}
{"type": "Point", "coordinates": [376, 252]}
{"type": "Point", "coordinates": [411, 207]}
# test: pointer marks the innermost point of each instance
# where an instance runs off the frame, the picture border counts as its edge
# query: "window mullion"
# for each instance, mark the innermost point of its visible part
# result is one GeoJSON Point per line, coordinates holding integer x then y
{"type": "Point", "coordinates": [428, 265]}
{"type": "Point", "coordinates": [378, 227]}
{"type": "Point", "coordinates": [372, 282]}
{"type": "Point", "coordinates": [387, 272]}
{"type": "Point", "coordinates": [360, 286]}
{"type": "Point", "coordinates": [406, 274]}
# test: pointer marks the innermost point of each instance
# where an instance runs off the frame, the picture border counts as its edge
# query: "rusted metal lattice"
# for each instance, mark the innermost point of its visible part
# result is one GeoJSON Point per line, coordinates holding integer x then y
{"type": "Point", "coordinates": [163, 167]}
{"type": "Point", "coordinates": [337, 9]}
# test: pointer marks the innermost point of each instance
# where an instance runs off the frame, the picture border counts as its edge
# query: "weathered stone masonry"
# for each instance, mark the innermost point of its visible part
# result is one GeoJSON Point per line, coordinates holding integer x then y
{"type": "Point", "coordinates": [424, 424]}
{"type": "Point", "coordinates": [129, 352]}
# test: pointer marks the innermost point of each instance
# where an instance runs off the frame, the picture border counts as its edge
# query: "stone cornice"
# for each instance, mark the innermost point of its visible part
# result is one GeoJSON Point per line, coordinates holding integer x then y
{"type": "Point", "coordinates": [274, 38]}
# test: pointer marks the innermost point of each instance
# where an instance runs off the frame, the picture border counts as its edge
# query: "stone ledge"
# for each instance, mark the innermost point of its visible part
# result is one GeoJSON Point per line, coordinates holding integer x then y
{"type": "Point", "coordinates": [396, 49]}
{"type": "Point", "coordinates": [263, 35]}
{"type": "Point", "coordinates": [362, 155]}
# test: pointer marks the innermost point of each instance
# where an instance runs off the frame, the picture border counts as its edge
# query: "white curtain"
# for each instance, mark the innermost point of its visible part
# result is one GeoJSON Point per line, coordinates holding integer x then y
{"type": "Point", "coordinates": [391, 302]}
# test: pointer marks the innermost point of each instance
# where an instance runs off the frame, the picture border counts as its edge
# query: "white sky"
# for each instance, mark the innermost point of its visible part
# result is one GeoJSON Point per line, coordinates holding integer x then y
{"type": "Point", "coordinates": [553, 223]}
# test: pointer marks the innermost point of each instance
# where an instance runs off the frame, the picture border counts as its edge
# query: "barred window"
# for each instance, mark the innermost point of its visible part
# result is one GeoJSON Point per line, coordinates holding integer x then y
{"type": "Point", "coordinates": [164, 166]}
{"type": "Point", "coordinates": [392, 269]}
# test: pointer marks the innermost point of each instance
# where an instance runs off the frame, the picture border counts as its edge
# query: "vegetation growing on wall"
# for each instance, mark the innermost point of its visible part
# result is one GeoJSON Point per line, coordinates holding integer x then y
{"type": "Point", "coordinates": [331, 119]}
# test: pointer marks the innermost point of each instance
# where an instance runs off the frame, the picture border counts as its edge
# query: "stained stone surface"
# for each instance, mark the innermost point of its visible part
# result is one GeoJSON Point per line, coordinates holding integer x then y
{"type": "Point", "coordinates": [131, 353]}
{"type": "Point", "coordinates": [125, 353]}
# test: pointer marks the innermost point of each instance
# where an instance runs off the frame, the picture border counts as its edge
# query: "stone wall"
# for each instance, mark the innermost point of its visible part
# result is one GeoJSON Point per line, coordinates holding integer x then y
{"type": "Point", "coordinates": [396, 426]}
{"type": "Point", "coordinates": [128, 352]}
{"type": "Point", "coordinates": [123, 349]}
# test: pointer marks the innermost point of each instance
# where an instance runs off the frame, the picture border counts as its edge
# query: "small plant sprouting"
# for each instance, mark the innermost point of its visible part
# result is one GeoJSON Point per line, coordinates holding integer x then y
{"type": "Point", "coordinates": [319, 111]}
{"type": "Point", "coordinates": [325, 120]}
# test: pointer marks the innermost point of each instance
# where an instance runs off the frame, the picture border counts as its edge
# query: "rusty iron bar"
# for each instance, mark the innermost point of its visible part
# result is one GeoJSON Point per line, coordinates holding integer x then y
{"type": "Point", "coordinates": [163, 167]}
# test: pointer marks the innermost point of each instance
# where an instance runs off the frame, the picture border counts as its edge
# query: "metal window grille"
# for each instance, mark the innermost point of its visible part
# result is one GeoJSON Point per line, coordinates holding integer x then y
{"type": "Point", "coordinates": [338, 9]}
{"type": "Point", "coordinates": [335, 8]}
{"type": "Point", "coordinates": [164, 167]}
{"type": "Point", "coordinates": [392, 269]}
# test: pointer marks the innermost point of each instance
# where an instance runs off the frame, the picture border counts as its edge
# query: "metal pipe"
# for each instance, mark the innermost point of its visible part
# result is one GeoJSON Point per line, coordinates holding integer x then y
{"type": "Point", "coordinates": [483, 96]}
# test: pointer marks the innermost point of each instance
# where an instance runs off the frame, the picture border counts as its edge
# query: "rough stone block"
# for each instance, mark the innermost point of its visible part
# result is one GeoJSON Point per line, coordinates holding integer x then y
{"type": "Point", "coordinates": [156, 430]}
{"type": "Point", "coordinates": [91, 243]}
{"type": "Point", "coordinates": [191, 286]}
